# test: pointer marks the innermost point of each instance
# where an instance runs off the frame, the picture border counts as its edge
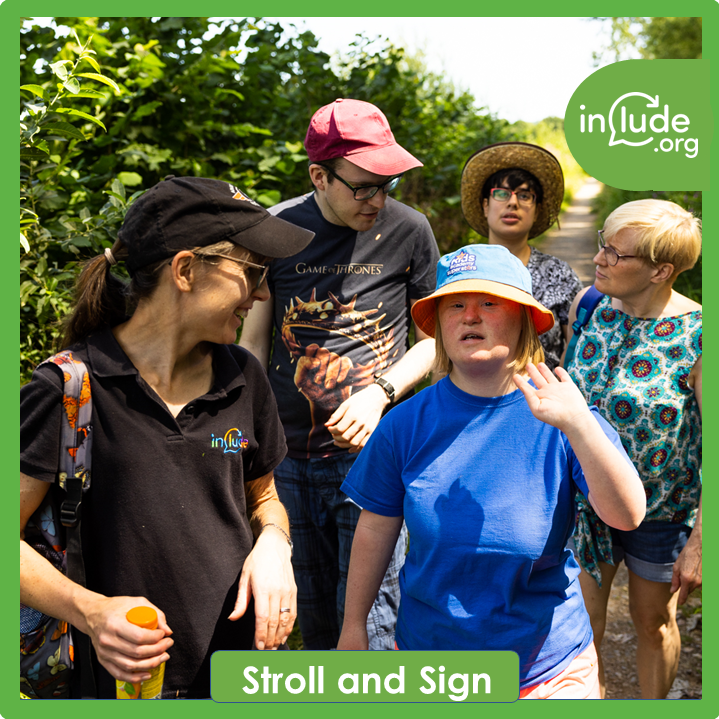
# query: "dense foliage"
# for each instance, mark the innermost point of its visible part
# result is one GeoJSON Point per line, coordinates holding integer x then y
{"type": "Point", "coordinates": [654, 38]}
{"type": "Point", "coordinates": [121, 102]}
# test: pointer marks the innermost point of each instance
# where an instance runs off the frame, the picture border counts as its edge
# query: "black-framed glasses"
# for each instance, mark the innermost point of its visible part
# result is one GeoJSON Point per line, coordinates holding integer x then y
{"type": "Point", "coordinates": [261, 275]}
{"type": "Point", "coordinates": [366, 192]}
{"type": "Point", "coordinates": [611, 255]}
{"type": "Point", "coordinates": [502, 194]}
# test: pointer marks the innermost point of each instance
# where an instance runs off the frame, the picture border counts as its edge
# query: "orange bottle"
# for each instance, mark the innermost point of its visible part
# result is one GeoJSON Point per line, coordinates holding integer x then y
{"type": "Point", "coordinates": [145, 617]}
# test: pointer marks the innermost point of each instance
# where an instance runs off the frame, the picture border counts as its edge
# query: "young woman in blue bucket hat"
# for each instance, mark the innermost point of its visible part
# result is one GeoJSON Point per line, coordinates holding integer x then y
{"type": "Point", "coordinates": [483, 466]}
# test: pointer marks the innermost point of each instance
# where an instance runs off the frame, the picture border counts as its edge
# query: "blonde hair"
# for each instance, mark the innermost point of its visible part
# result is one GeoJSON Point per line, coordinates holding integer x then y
{"type": "Point", "coordinates": [529, 348]}
{"type": "Point", "coordinates": [667, 232]}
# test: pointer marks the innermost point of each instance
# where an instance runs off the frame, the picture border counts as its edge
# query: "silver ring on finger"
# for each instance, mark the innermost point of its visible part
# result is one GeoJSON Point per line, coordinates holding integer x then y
{"type": "Point", "coordinates": [283, 610]}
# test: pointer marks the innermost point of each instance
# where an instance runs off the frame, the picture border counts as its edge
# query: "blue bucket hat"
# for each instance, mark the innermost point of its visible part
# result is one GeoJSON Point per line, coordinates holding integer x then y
{"type": "Point", "coordinates": [490, 269]}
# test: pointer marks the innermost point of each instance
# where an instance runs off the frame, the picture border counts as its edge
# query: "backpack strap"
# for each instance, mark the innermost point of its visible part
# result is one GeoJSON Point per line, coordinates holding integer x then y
{"type": "Point", "coordinates": [74, 474]}
{"type": "Point", "coordinates": [590, 299]}
{"type": "Point", "coordinates": [74, 469]}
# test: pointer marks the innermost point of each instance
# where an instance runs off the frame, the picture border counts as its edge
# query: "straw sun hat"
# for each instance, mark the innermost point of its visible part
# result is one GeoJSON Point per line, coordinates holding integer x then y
{"type": "Point", "coordinates": [504, 156]}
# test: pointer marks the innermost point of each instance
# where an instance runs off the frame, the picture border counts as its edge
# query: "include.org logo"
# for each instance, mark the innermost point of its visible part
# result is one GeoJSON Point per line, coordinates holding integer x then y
{"type": "Point", "coordinates": [628, 124]}
{"type": "Point", "coordinates": [643, 125]}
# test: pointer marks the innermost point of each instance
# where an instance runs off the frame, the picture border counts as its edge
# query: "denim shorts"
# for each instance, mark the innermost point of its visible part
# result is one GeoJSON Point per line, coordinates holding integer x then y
{"type": "Point", "coordinates": [650, 550]}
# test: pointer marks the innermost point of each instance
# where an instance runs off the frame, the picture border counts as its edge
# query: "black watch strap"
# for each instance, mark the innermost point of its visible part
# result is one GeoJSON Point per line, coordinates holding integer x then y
{"type": "Point", "coordinates": [386, 386]}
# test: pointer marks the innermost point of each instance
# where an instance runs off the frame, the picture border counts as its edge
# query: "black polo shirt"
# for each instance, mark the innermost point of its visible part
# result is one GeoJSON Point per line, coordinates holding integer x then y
{"type": "Point", "coordinates": [165, 517]}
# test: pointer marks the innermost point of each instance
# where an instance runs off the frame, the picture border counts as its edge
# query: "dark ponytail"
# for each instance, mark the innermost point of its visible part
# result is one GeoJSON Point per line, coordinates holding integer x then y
{"type": "Point", "coordinates": [102, 299]}
{"type": "Point", "coordinates": [99, 298]}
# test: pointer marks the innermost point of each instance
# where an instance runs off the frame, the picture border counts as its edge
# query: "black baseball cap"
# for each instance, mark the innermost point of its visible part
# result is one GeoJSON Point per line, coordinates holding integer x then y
{"type": "Point", "coordinates": [180, 213]}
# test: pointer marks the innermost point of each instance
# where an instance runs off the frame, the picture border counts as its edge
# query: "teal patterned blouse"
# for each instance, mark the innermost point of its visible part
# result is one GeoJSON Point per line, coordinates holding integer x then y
{"type": "Point", "coordinates": [635, 371]}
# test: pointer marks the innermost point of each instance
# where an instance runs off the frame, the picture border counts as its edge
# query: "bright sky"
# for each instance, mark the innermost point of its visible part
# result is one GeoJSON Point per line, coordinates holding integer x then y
{"type": "Point", "coordinates": [520, 68]}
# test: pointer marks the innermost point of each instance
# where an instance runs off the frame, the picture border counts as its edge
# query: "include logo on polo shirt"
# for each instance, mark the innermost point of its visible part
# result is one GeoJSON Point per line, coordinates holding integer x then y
{"type": "Point", "coordinates": [462, 262]}
{"type": "Point", "coordinates": [231, 443]}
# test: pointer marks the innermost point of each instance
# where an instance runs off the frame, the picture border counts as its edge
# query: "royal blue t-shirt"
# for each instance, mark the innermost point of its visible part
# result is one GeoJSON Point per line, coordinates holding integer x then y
{"type": "Point", "coordinates": [487, 492]}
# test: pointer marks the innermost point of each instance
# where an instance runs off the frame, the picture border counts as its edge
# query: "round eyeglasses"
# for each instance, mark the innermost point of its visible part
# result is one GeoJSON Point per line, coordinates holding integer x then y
{"type": "Point", "coordinates": [502, 194]}
{"type": "Point", "coordinates": [610, 254]}
{"type": "Point", "coordinates": [366, 192]}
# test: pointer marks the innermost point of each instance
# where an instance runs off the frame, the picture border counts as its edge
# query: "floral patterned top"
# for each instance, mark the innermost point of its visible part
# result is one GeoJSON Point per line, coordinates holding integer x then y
{"type": "Point", "coordinates": [635, 372]}
{"type": "Point", "coordinates": [554, 284]}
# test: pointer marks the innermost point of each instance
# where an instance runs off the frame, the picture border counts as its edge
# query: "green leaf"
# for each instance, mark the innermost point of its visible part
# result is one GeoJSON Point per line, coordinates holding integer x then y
{"type": "Point", "coordinates": [118, 188]}
{"type": "Point", "coordinates": [130, 179]}
{"type": "Point", "coordinates": [72, 84]}
{"type": "Point", "coordinates": [268, 198]}
{"type": "Point", "coordinates": [92, 62]}
{"type": "Point", "coordinates": [100, 78]}
{"type": "Point", "coordinates": [35, 90]}
{"type": "Point", "coordinates": [78, 113]}
{"type": "Point", "coordinates": [60, 69]}
{"type": "Point", "coordinates": [64, 128]}
{"type": "Point", "coordinates": [228, 91]}
{"type": "Point", "coordinates": [147, 109]}
{"type": "Point", "coordinates": [85, 92]}
{"type": "Point", "coordinates": [25, 244]}
{"type": "Point", "coordinates": [32, 153]}
{"type": "Point", "coordinates": [116, 200]}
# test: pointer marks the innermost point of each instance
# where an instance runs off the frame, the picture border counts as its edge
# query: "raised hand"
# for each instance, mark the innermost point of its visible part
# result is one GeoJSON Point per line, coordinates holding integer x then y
{"type": "Point", "coordinates": [555, 400]}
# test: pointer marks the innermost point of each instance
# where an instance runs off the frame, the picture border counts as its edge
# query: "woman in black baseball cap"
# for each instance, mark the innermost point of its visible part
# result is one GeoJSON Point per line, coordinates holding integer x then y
{"type": "Point", "coordinates": [182, 513]}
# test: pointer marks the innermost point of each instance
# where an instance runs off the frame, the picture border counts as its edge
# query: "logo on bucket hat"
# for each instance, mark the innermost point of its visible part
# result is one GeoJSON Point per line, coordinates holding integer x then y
{"type": "Point", "coordinates": [488, 269]}
{"type": "Point", "coordinates": [462, 262]}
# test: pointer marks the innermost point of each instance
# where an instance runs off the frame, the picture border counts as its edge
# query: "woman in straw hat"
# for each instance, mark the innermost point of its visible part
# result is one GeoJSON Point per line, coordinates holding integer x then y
{"type": "Point", "coordinates": [182, 513]}
{"type": "Point", "coordinates": [639, 361]}
{"type": "Point", "coordinates": [511, 193]}
{"type": "Point", "coordinates": [483, 466]}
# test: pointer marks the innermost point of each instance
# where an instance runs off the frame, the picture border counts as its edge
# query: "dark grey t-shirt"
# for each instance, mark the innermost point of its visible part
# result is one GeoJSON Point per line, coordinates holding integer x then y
{"type": "Point", "coordinates": [341, 312]}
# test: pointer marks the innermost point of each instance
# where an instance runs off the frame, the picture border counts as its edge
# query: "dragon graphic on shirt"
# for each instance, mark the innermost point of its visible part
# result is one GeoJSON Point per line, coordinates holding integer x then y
{"type": "Point", "coordinates": [325, 378]}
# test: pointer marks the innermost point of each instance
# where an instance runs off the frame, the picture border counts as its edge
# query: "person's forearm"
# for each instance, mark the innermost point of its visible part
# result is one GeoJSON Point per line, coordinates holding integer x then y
{"type": "Point", "coordinates": [374, 541]}
{"type": "Point", "coordinates": [412, 368]}
{"type": "Point", "coordinates": [44, 588]}
{"type": "Point", "coordinates": [696, 536]}
{"type": "Point", "coordinates": [615, 490]}
{"type": "Point", "coordinates": [256, 336]}
{"type": "Point", "coordinates": [266, 509]}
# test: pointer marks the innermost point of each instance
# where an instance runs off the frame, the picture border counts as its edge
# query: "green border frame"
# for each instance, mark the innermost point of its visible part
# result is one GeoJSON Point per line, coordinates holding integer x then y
{"type": "Point", "coordinates": [10, 704]}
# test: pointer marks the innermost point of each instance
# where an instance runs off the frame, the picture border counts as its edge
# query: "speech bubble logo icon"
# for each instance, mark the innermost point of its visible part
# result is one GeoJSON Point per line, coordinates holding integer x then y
{"type": "Point", "coordinates": [643, 124]}
{"type": "Point", "coordinates": [653, 103]}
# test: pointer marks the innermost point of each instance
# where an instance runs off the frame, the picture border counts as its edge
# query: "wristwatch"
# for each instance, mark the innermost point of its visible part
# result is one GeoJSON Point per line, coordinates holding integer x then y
{"type": "Point", "coordinates": [386, 386]}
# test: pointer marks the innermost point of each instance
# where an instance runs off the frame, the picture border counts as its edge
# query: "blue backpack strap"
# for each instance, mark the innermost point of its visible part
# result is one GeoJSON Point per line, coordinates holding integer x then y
{"type": "Point", "coordinates": [590, 299]}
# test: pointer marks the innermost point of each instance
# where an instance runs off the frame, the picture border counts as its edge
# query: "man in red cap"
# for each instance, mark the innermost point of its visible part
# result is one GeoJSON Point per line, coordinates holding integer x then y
{"type": "Point", "coordinates": [340, 318]}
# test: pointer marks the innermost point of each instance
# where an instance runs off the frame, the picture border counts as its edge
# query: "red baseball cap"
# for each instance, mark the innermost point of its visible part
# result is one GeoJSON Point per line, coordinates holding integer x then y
{"type": "Point", "coordinates": [359, 132]}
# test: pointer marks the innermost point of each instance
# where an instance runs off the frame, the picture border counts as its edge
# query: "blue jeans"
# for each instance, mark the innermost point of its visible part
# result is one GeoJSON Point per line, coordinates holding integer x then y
{"type": "Point", "coordinates": [323, 521]}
